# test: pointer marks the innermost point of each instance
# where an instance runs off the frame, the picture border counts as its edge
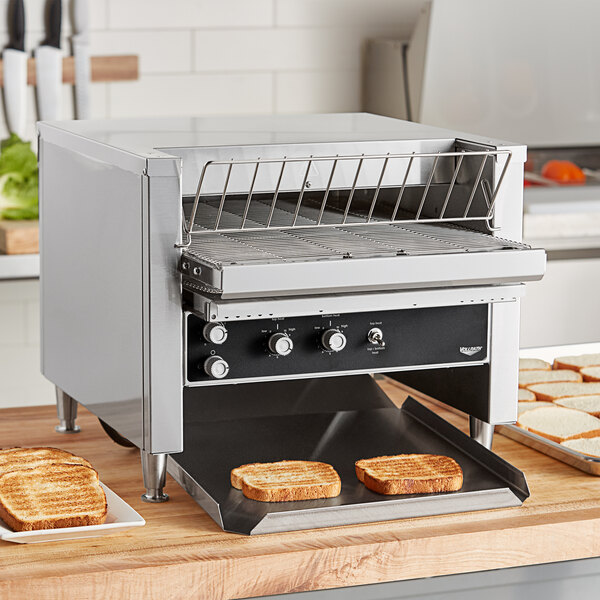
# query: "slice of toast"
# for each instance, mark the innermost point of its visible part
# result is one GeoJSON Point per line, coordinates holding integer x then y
{"type": "Point", "coordinates": [527, 378]}
{"type": "Point", "coordinates": [533, 364]}
{"type": "Point", "coordinates": [575, 363]}
{"type": "Point", "coordinates": [564, 389]}
{"type": "Point", "coordinates": [590, 446]}
{"type": "Point", "coordinates": [588, 404]}
{"type": "Point", "coordinates": [526, 395]}
{"type": "Point", "coordinates": [559, 424]}
{"type": "Point", "coordinates": [410, 474]}
{"type": "Point", "coordinates": [13, 459]}
{"type": "Point", "coordinates": [51, 496]}
{"type": "Point", "coordinates": [590, 373]}
{"type": "Point", "coordinates": [525, 406]}
{"type": "Point", "coordinates": [287, 481]}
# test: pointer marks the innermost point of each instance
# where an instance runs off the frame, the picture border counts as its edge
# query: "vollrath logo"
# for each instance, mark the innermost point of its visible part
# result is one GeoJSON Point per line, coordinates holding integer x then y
{"type": "Point", "coordinates": [470, 350]}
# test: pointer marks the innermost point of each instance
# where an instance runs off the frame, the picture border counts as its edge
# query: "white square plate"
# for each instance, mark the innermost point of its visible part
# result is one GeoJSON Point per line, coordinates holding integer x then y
{"type": "Point", "coordinates": [120, 516]}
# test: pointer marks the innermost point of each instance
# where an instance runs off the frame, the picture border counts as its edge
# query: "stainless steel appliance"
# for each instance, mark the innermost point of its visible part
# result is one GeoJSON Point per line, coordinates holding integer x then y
{"type": "Point", "coordinates": [218, 290]}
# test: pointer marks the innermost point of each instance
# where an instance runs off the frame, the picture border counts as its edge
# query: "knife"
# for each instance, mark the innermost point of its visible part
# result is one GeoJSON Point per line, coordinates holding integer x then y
{"type": "Point", "coordinates": [14, 59]}
{"type": "Point", "coordinates": [48, 66]}
{"type": "Point", "coordinates": [81, 52]}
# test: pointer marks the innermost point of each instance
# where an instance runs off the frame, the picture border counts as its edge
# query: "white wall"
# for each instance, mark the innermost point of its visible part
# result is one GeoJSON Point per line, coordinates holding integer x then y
{"type": "Point", "coordinates": [229, 56]}
{"type": "Point", "coordinates": [202, 57]}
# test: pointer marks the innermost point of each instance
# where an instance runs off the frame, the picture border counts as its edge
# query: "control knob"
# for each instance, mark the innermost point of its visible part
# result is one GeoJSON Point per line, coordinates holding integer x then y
{"type": "Point", "coordinates": [216, 367]}
{"type": "Point", "coordinates": [333, 340]}
{"type": "Point", "coordinates": [280, 344]}
{"type": "Point", "coordinates": [215, 333]}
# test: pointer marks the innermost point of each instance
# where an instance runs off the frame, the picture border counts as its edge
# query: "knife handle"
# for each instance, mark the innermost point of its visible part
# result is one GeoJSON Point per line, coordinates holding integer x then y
{"type": "Point", "coordinates": [81, 16]}
{"type": "Point", "coordinates": [16, 18]}
{"type": "Point", "coordinates": [53, 23]}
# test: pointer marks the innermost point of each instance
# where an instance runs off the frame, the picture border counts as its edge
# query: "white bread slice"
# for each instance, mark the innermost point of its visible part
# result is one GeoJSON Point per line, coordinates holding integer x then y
{"type": "Point", "coordinates": [559, 424]}
{"type": "Point", "coordinates": [287, 480]}
{"type": "Point", "coordinates": [525, 406]}
{"type": "Point", "coordinates": [410, 474]}
{"type": "Point", "coordinates": [590, 446]}
{"type": "Point", "coordinates": [527, 378]}
{"type": "Point", "coordinates": [591, 373]}
{"type": "Point", "coordinates": [565, 389]}
{"type": "Point", "coordinates": [526, 395]}
{"type": "Point", "coordinates": [575, 363]}
{"type": "Point", "coordinates": [588, 404]}
{"type": "Point", "coordinates": [51, 495]}
{"type": "Point", "coordinates": [533, 364]}
{"type": "Point", "coordinates": [14, 459]}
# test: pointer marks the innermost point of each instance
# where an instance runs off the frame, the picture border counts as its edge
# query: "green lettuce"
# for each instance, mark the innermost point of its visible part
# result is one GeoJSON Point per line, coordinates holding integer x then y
{"type": "Point", "coordinates": [18, 179]}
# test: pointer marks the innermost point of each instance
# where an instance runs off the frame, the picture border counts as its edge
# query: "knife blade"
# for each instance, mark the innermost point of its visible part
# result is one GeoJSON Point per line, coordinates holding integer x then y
{"type": "Point", "coordinates": [14, 59]}
{"type": "Point", "coordinates": [48, 66]}
{"type": "Point", "coordinates": [81, 51]}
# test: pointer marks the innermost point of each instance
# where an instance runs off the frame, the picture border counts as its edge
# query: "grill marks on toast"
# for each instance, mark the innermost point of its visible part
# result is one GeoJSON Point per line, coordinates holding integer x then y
{"type": "Point", "coordinates": [410, 474]}
{"type": "Point", "coordinates": [50, 496]}
{"type": "Point", "coordinates": [287, 480]}
{"type": "Point", "coordinates": [14, 459]}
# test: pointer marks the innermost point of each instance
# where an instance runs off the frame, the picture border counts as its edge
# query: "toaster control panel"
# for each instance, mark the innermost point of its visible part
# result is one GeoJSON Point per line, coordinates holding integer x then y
{"type": "Point", "coordinates": [326, 344]}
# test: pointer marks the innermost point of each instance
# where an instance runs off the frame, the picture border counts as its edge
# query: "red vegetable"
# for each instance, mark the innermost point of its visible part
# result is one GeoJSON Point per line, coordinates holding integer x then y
{"type": "Point", "coordinates": [563, 171]}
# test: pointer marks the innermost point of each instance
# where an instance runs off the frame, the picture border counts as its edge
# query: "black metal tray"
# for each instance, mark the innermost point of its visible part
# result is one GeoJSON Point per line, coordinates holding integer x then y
{"type": "Point", "coordinates": [340, 438]}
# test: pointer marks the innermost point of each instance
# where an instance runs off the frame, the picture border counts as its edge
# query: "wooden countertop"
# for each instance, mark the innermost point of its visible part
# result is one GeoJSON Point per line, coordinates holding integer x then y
{"type": "Point", "coordinates": [182, 553]}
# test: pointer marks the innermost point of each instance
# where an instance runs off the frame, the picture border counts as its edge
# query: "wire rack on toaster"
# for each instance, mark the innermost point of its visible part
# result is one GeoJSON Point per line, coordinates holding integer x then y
{"type": "Point", "coordinates": [373, 189]}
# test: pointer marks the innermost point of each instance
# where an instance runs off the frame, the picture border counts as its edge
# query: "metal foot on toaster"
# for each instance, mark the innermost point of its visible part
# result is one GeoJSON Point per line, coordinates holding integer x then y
{"type": "Point", "coordinates": [66, 408]}
{"type": "Point", "coordinates": [154, 468]}
{"type": "Point", "coordinates": [481, 431]}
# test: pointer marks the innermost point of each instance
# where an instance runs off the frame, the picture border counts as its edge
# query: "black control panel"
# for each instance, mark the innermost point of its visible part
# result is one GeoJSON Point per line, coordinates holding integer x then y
{"type": "Point", "coordinates": [333, 343]}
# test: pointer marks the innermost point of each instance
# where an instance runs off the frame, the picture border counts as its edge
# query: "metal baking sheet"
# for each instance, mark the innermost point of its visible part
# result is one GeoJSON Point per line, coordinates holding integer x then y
{"type": "Point", "coordinates": [584, 462]}
{"type": "Point", "coordinates": [340, 438]}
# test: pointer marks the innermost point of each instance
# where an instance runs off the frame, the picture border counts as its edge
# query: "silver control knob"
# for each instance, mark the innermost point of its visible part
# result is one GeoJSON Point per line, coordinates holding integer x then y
{"type": "Point", "coordinates": [215, 333]}
{"type": "Point", "coordinates": [375, 336]}
{"type": "Point", "coordinates": [334, 340]}
{"type": "Point", "coordinates": [280, 344]}
{"type": "Point", "coordinates": [216, 367]}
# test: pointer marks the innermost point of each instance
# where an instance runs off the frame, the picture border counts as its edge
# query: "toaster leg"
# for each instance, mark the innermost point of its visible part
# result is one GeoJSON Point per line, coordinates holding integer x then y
{"type": "Point", "coordinates": [154, 468]}
{"type": "Point", "coordinates": [66, 407]}
{"type": "Point", "coordinates": [481, 431]}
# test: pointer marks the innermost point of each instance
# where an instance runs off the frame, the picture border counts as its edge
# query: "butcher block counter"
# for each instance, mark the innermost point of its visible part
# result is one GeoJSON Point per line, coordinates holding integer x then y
{"type": "Point", "coordinates": [182, 553]}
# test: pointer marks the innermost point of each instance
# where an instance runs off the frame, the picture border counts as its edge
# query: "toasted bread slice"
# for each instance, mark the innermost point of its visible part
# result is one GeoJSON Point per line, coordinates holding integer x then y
{"type": "Point", "coordinates": [590, 373]}
{"type": "Point", "coordinates": [287, 480]}
{"type": "Point", "coordinates": [590, 446]}
{"type": "Point", "coordinates": [559, 424]}
{"type": "Point", "coordinates": [527, 378]}
{"type": "Point", "coordinates": [533, 364]}
{"type": "Point", "coordinates": [51, 496]}
{"type": "Point", "coordinates": [525, 406]}
{"type": "Point", "coordinates": [13, 459]}
{"type": "Point", "coordinates": [575, 363]}
{"type": "Point", "coordinates": [588, 404]}
{"type": "Point", "coordinates": [410, 474]}
{"type": "Point", "coordinates": [564, 389]}
{"type": "Point", "coordinates": [526, 395]}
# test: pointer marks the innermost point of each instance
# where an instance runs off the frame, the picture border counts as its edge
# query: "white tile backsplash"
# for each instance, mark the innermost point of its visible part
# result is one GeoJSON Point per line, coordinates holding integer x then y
{"type": "Point", "coordinates": [164, 52]}
{"type": "Point", "coordinates": [287, 49]}
{"type": "Point", "coordinates": [206, 93]}
{"type": "Point", "coordinates": [189, 14]}
{"type": "Point", "coordinates": [200, 57]}
{"type": "Point", "coordinates": [318, 91]}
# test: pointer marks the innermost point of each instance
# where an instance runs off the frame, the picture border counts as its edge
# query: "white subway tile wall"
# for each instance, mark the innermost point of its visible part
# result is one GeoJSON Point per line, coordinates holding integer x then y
{"type": "Point", "coordinates": [200, 57]}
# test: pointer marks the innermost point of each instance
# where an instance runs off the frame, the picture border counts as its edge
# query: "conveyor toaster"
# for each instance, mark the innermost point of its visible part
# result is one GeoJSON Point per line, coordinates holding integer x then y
{"type": "Point", "coordinates": [219, 291]}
